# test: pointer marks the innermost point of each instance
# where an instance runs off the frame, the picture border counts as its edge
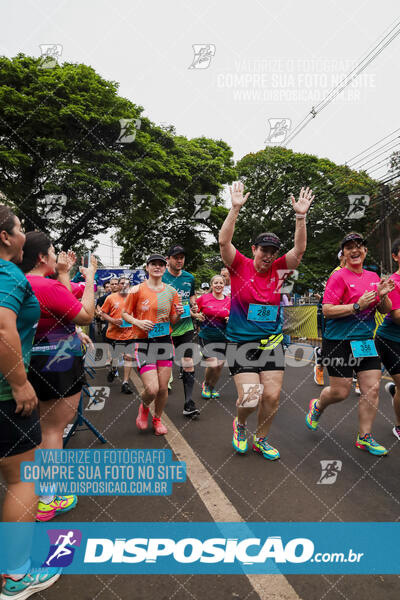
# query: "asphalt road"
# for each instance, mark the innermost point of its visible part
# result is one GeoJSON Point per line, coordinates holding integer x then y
{"type": "Point", "coordinates": [366, 488]}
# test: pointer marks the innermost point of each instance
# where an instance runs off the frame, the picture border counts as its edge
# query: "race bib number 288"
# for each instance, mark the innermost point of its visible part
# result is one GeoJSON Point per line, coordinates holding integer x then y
{"type": "Point", "coordinates": [262, 312]}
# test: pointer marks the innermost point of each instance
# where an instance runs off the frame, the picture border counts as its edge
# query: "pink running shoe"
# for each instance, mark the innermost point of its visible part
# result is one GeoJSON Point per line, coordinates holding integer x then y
{"type": "Point", "coordinates": [159, 428]}
{"type": "Point", "coordinates": [142, 418]}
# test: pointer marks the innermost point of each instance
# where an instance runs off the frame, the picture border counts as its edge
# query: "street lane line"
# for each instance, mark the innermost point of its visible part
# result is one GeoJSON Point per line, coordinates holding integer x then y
{"type": "Point", "coordinates": [268, 587]}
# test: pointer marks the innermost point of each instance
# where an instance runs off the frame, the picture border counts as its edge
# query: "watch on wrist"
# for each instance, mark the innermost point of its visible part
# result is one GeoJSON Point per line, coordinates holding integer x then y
{"type": "Point", "coordinates": [356, 307]}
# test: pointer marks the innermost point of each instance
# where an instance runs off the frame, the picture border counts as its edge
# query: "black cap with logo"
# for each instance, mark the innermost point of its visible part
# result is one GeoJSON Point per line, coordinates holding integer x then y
{"type": "Point", "coordinates": [174, 250]}
{"type": "Point", "coordinates": [267, 239]}
{"type": "Point", "coordinates": [353, 237]}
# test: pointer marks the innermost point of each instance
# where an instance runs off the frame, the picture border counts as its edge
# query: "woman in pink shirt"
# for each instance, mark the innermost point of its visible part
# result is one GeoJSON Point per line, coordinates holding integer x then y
{"type": "Point", "coordinates": [388, 340]}
{"type": "Point", "coordinates": [56, 369]}
{"type": "Point", "coordinates": [214, 312]}
{"type": "Point", "coordinates": [351, 298]}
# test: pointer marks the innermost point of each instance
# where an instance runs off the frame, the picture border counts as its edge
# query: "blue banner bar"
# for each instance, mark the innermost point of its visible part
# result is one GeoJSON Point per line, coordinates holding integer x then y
{"type": "Point", "coordinates": [203, 548]}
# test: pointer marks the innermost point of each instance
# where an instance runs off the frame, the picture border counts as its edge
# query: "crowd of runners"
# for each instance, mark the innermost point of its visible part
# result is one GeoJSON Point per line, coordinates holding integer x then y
{"type": "Point", "coordinates": [236, 322]}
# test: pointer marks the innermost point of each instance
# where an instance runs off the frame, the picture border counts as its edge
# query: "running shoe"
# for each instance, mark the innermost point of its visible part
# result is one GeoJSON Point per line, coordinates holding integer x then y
{"type": "Point", "coordinates": [390, 388]}
{"type": "Point", "coordinates": [261, 446]}
{"type": "Point", "coordinates": [180, 376]}
{"type": "Point", "coordinates": [368, 443]}
{"type": "Point", "coordinates": [125, 388]}
{"type": "Point", "coordinates": [159, 428]}
{"type": "Point", "coordinates": [319, 375]}
{"type": "Point", "coordinates": [58, 506]}
{"type": "Point", "coordinates": [239, 440]}
{"type": "Point", "coordinates": [396, 431]}
{"type": "Point", "coordinates": [357, 388]}
{"type": "Point", "coordinates": [313, 415]}
{"type": "Point", "coordinates": [215, 394]}
{"type": "Point", "coordinates": [112, 374]}
{"type": "Point", "coordinates": [318, 369]}
{"type": "Point", "coordinates": [142, 418]}
{"type": "Point", "coordinates": [190, 410]}
{"type": "Point", "coordinates": [170, 381]}
{"type": "Point", "coordinates": [29, 584]}
{"type": "Point", "coordinates": [205, 391]}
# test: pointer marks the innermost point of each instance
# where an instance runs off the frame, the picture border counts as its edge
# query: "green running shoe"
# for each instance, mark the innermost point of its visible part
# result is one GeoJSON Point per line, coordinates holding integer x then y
{"type": "Point", "coordinates": [29, 584]}
{"type": "Point", "coordinates": [239, 440]}
{"type": "Point", "coordinates": [205, 391]}
{"type": "Point", "coordinates": [261, 446]}
{"type": "Point", "coordinates": [368, 443]}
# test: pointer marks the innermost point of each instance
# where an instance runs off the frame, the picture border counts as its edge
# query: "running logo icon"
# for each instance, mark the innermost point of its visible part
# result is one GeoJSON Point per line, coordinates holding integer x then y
{"type": "Point", "coordinates": [357, 206]}
{"type": "Point", "coordinates": [50, 53]}
{"type": "Point", "coordinates": [278, 130]}
{"type": "Point", "coordinates": [330, 470]}
{"type": "Point", "coordinates": [203, 54]}
{"type": "Point", "coordinates": [63, 543]}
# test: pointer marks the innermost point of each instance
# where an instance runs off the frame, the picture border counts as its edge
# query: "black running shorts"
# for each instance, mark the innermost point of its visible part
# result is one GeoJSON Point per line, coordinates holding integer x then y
{"type": "Point", "coordinates": [52, 383]}
{"type": "Point", "coordinates": [389, 352]}
{"type": "Point", "coordinates": [17, 434]}
{"type": "Point", "coordinates": [338, 358]}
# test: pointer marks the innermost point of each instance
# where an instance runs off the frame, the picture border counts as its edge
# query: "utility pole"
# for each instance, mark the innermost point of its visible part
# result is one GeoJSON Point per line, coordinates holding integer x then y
{"type": "Point", "coordinates": [112, 250]}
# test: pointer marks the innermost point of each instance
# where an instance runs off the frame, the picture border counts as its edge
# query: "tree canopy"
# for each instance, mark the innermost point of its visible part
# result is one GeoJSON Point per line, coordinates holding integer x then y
{"type": "Point", "coordinates": [76, 159]}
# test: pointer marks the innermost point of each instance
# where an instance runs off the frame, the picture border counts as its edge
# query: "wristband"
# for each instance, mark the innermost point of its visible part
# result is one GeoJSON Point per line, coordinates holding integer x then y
{"type": "Point", "coordinates": [301, 216]}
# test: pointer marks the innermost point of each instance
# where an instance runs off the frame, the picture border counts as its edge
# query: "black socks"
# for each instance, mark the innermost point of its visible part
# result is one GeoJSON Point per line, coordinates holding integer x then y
{"type": "Point", "coordinates": [188, 383]}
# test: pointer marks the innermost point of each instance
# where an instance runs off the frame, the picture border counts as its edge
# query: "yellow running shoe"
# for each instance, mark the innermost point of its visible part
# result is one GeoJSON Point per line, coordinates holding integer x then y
{"type": "Point", "coordinates": [239, 440]}
{"type": "Point", "coordinates": [59, 505]}
{"type": "Point", "coordinates": [261, 446]}
{"type": "Point", "coordinates": [368, 443]}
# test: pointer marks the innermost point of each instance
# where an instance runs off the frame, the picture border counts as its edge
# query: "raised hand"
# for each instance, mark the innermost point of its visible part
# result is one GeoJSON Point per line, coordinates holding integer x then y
{"type": "Point", "coordinates": [236, 191]}
{"type": "Point", "coordinates": [62, 263]}
{"type": "Point", "coordinates": [303, 203]}
{"type": "Point", "coordinates": [71, 259]}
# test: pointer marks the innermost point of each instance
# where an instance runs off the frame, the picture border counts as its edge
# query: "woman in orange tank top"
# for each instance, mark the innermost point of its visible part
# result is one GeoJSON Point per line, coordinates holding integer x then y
{"type": "Point", "coordinates": [152, 307]}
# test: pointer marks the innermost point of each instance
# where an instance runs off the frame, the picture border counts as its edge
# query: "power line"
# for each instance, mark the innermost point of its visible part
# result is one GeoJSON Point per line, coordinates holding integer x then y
{"type": "Point", "coordinates": [374, 153]}
{"type": "Point", "coordinates": [351, 160]}
{"type": "Point", "coordinates": [390, 178]}
{"type": "Point", "coordinates": [377, 167]}
{"type": "Point", "coordinates": [377, 155]}
{"type": "Point", "coordinates": [358, 69]}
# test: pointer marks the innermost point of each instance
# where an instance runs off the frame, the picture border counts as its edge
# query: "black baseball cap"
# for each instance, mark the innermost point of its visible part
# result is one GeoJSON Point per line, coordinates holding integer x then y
{"type": "Point", "coordinates": [267, 239]}
{"type": "Point", "coordinates": [353, 237]}
{"type": "Point", "coordinates": [176, 250]}
{"type": "Point", "coordinates": [156, 257]}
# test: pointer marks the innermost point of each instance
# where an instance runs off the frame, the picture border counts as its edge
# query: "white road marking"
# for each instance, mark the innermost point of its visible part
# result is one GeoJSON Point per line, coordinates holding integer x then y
{"type": "Point", "coordinates": [268, 587]}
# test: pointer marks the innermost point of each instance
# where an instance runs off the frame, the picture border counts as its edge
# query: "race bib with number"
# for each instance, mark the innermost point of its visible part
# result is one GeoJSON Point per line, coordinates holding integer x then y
{"type": "Point", "coordinates": [159, 329]}
{"type": "Point", "coordinates": [262, 312]}
{"type": "Point", "coordinates": [363, 348]}
{"type": "Point", "coordinates": [186, 311]}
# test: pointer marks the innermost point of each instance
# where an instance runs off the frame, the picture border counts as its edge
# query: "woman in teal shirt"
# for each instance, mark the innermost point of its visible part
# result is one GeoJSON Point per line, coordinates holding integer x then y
{"type": "Point", "coordinates": [19, 421]}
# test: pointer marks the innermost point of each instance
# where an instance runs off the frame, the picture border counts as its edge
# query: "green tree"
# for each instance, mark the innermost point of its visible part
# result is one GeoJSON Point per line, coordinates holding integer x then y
{"type": "Point", "coordinates": [61, 136]}
{"type": "Point", "coordinates": [197, 168]}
